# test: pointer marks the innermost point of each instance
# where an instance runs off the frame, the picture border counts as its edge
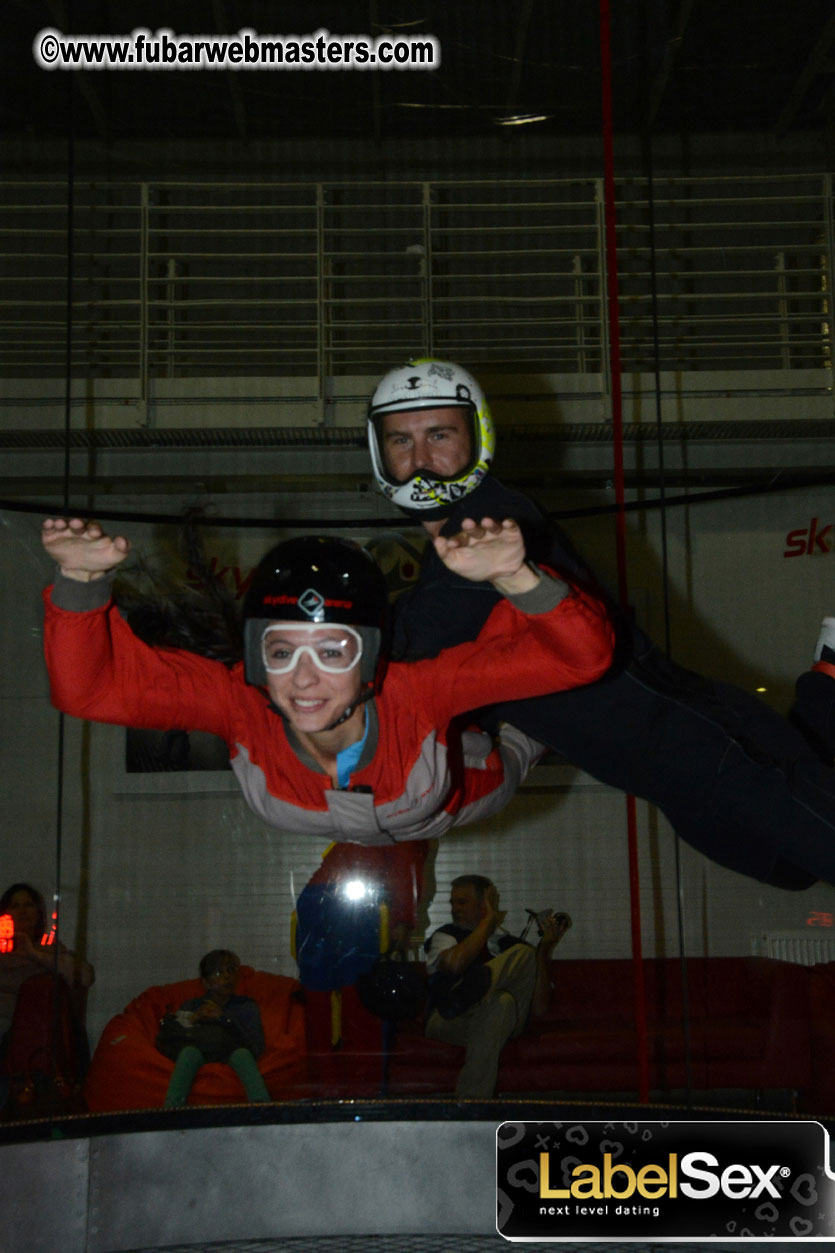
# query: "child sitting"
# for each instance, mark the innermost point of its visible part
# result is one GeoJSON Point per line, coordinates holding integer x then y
{"type": "Point", "coordinates": [216, 1027]}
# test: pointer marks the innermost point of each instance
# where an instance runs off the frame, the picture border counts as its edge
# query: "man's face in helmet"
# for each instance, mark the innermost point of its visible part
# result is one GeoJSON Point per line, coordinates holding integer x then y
{"type": "Point", "coordinates": [434, 440]}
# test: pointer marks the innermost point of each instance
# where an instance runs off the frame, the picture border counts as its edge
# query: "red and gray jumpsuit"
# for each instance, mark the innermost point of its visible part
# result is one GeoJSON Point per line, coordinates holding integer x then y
{"type": "Point", "coordinates": [418, 775]}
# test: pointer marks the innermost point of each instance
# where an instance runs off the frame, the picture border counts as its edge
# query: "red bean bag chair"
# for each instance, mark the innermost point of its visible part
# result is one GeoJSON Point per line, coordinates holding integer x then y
{"type": "Point", "coordinates": [127, 1072]}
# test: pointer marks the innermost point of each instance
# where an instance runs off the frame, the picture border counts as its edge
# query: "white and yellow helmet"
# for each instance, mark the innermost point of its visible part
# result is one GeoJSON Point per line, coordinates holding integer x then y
{"type": "Point", "coordinates": [425, 383]}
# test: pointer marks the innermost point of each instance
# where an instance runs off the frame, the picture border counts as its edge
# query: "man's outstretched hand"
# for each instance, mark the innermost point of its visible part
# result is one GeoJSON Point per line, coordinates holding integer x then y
{"type": "Point", "coordinates": [489, 551]}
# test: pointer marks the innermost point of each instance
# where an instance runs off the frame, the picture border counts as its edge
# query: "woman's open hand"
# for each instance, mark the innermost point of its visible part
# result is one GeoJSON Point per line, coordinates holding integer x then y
{"type": "Point", "coordinates": [82, 549]}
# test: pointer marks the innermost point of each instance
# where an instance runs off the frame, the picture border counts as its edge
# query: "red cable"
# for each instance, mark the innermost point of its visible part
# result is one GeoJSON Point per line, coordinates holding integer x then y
{"type": "Point", "coordinates": [617, 446]}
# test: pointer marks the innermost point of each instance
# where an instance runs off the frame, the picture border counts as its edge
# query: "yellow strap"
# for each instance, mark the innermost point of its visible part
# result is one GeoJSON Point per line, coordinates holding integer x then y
{"type": "Point", "coordinates": [384, 927]}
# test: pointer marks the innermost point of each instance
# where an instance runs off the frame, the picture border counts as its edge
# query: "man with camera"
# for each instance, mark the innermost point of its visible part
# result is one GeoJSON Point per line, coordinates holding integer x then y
{"type": "Point", "coordinates": [484, 982]}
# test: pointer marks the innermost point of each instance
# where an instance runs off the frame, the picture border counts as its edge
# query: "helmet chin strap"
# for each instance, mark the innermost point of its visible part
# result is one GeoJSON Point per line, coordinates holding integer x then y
{"type": "Point", "coordinates": [364, 696]}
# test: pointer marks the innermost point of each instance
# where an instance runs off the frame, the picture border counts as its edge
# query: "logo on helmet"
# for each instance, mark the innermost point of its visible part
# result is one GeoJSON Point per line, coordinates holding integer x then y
{"type": "Point", "coordinates": [311, 603]}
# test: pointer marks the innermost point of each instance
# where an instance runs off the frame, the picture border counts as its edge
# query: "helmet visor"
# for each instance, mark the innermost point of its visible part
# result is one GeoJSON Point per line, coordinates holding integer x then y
{"type": "Point", "coordinates": [332, 647]}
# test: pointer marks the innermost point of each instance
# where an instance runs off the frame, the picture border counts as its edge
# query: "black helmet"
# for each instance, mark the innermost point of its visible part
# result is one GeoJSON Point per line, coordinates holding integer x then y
{"type": "Point", "coordinates": [316, 579]}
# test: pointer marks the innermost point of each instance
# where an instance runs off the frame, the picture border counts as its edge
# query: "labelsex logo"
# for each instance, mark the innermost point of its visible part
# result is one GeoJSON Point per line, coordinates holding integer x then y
{"type": "Point", "coordinates": [588, 1181]}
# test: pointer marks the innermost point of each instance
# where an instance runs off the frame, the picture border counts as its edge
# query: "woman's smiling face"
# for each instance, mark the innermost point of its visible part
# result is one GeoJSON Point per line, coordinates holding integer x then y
{"type": "Point", "coordinates": [312, 672]}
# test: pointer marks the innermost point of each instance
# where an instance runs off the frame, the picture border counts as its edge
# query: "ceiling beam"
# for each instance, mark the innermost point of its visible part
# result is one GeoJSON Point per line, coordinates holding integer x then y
{"type": "Point", "coordinates": [673, 47]}
{"type": "Point", "coordinates": [376, 85]}
{"type": "Point", "coordinates": [816, 63]}
{"type": "Point", "coordinates": [236, 98]}
{"type": "Point", "coordinates": [81, 81]}
{"type": "Point", "coordinates": [522, 25]}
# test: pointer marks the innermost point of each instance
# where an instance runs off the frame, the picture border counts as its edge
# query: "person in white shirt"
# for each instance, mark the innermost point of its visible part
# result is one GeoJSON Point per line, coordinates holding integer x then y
{"type": "Point", "coordinates": [484, 982]}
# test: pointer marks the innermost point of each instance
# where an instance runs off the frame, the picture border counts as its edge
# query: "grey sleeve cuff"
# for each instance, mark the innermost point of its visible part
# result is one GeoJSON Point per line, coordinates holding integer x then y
{"type": "Point", "coordinates": [547, 594]}
{"type": "Point", "coordinates": [80, 597]}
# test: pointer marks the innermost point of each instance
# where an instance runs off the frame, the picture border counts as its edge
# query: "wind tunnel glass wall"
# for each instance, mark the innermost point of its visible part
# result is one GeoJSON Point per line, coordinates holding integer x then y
{"type": "Point", "coordinates": [158, 859]}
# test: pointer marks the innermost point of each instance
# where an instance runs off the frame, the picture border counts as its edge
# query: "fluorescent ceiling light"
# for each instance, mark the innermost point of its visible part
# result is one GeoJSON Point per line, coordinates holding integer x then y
{"type": "Point", "coordinates": [522, 119]}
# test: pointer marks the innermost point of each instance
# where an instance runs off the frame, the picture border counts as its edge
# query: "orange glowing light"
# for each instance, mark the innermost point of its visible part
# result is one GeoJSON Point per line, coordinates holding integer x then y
{"type": "Point", "coordinates": [49, 936]}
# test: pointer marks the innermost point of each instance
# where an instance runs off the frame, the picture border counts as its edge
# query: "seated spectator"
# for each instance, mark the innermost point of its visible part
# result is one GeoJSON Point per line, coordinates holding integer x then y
{"type": "Point", "coordinates": [129, 1072]}
{"type": "Point", "coordinates": [216, 1027]}
{"type": "Point", "coordinates": [40, 1064]}
{"type": "Point", "coordinates": [483, 982]}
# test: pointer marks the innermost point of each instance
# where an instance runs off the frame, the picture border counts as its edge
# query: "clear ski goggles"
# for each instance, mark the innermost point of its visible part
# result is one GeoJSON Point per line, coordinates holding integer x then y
{"type": "Point", "coordinates": [332, 647]}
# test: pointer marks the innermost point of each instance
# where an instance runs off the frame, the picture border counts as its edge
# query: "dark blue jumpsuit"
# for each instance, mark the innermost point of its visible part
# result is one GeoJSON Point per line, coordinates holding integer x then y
{"type": "Point", "coordinates": [748, 788]}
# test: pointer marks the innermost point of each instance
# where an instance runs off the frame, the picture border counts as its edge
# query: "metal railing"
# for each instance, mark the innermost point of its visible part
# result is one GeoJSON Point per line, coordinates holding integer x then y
{"type": "Point", "coordinates": [178, 280]}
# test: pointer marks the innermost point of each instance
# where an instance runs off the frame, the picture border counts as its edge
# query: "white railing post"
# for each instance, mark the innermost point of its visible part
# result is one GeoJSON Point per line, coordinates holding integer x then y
{"type": "Point", "coordinates": [426, 271]}
{"type": "Point", "coordinates": [580, 313]}
{"type": "Point", "coordinates": [829, 277]}
{"type": "Point", "coordinates": [144, 228]}
{"type": "Point", "coordinates": [783, 309]}
{"type": "Point", "coordinates": [605, 368]}
{"type": "Point", "coordinates": [170, 317]}
{"type": "Point", "coordinates": [321, 310]}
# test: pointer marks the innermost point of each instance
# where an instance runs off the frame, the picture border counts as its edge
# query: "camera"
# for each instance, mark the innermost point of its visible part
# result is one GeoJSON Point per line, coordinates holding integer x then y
{"type": "Point", "coordinates": [540, 916]}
